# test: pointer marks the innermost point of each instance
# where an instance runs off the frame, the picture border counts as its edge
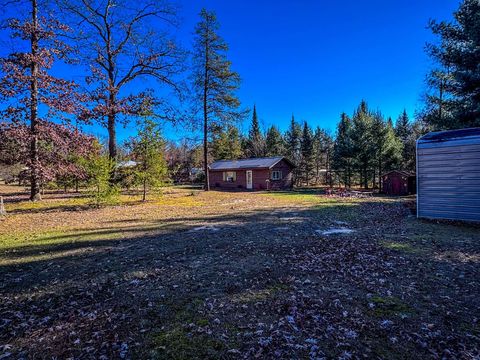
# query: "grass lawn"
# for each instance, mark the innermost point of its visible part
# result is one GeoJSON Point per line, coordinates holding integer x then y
{"type": "Point", "coordinates": [235, 275]}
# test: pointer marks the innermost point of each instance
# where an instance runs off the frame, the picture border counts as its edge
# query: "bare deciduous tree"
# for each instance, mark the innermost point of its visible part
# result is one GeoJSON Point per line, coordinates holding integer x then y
{"type": "Point", "coordinates": [121, 42]}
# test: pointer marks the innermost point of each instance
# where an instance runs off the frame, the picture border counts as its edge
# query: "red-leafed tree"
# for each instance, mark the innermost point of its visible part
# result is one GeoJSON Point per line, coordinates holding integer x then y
{"type": "Point", "coordinates": [123, 43]}
{"type": "Point", "coordinates": [59, 148]}
{"type": "Point", "coordinates": [30, 93]}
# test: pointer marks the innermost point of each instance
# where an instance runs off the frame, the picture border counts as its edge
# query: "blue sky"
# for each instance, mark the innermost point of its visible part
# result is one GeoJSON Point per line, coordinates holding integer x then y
{"type": "Point", "coordinates": [317, 58]}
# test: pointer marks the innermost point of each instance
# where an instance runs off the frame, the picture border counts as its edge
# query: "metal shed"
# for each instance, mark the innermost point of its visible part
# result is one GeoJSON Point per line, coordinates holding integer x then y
{"type": "Point", "coordinates": [448, 175]}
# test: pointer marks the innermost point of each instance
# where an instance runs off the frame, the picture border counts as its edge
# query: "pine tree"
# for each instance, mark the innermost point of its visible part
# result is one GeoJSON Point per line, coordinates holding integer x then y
{"type": "Point", "coordinates": [379, 137]}
{"type": "Point", "coordinates": [403, 131]}
{"type": "Point", "coordinates": [392, 149]}
{"type": "Point", "coordinates": [148, 150]}
{"type": "Point", "coordinates": [98, 167]}
{"type": "Point", "coordinates": [256, 141]}
{"type": "Point", "coordinates": [455, 101]}
{"type": "Point", "coordinates": [292, 143]}
{"type": "Point", "coordinates": [402, 126]}
{"type": "Point", "coordinates": [343, 150]}
{"type": "Point", "coordinates": [214, 83]}
{"type": "Point", "coordinates": [387, 147]}
{"type": "Point", "coordinates": [307, 162]}
{"type": "Point", "coordinates": [235, 142]}
{"type": "Point", "coordinates": [363, 143]}
{"type": "Point", "coordinates": [323, 154]}
{"type": "Point", "coordinates": [226, 145]}
{"type": "Point", "coordinates": [418, 129]}
{"type": "Point", "coordinates": [275, 144]}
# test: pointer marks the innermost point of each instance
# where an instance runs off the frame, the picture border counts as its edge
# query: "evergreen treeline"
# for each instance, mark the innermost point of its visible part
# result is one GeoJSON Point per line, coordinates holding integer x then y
{"type": "Point", "coordinates": [34, 101]}
{"type": "Point", "coordinates": [365, 146]}
{"type": "Point", "coordinates": [453, 97]}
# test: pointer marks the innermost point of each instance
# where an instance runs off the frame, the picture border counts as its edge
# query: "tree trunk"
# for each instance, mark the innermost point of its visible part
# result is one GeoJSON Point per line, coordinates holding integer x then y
{"type": "Point", "coordinates": [348, 182]}
{"type": "Point", "coordinates": [144, 190]}
{"type": "Point", "coordinates": [205, 147]}
{"type": "Point", "coordinates": [440, 104]}
{"type": "Point", "coordinates": [112, 137]}
{"type": "Point", "coordinates": [205, 121]}
{"type": "Point", "coordinates": [112, 92]}
{"type": "Point", "coordinates": [112, 134]}
{"type": "Point", "coordinates": [380, 168]}
{"type": "Point", "coordinates": [35, 178]}
{"type": "Point", "coordinates": [365, 178]}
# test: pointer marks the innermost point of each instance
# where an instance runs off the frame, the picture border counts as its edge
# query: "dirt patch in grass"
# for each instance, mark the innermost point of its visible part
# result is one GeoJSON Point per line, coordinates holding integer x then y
{"type": "Point", "coordinates": [153, 280]}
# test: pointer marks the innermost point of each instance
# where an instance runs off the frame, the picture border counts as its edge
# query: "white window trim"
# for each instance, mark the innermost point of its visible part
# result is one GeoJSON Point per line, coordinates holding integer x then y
{"type": "Point", "coordinates": [232, 178]}
{"type": "Point", "coordinates": [278, 177]}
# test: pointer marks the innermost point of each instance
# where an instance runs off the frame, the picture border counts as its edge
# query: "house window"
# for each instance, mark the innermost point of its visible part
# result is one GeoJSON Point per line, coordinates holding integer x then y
{"type": "Point", "coordinates": [229, 176]}
{"type": "Point", "coordinates": [276, 175]}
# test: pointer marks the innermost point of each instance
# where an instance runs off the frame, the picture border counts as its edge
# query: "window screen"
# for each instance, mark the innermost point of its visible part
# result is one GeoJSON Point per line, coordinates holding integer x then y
{"type": "Point", "coordinates": [276, 175]}
{"type": "Point", "coordinates": [229, 176]}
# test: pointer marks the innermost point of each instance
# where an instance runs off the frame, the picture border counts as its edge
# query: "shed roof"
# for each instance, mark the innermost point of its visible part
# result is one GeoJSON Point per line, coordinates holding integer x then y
{"type": "Point", "coordinates": [402, 172]}
{"type": "Point", "coordinates": [253, 163]}
{"type": "Point", "coordinates": [450, 135]}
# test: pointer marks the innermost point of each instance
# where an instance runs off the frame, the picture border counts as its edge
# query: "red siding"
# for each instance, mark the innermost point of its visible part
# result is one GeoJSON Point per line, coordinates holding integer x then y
{"type": "Point", "coordinates": [216, 180]}
{"type": "Point", "coordinates": [397, 183]}
{"type": "Point", "coordinates": [259, 178]}
{"type": "Point", "coordinates": [287, 176]}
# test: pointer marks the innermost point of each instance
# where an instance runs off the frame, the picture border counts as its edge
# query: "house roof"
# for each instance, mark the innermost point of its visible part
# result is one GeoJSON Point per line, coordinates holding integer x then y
{"type": "Point", "coordinates": [253, 163]}
{"type": "Point", "coordinates": [450, 135]}
{"type": "Point", "coordinates": [127, 164]}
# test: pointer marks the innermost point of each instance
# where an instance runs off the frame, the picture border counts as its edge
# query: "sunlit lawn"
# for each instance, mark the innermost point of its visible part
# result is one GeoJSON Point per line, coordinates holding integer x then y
{"type": "Point", "coordinates": [189, 273]}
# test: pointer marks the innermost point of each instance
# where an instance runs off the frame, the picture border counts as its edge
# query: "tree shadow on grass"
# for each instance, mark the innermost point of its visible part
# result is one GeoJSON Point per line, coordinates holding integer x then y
{"type": "Point", "coordinates": [50, 209]}
{"type": "Point", "coordinates": [62, 207]}
{"type": "Point", "coordinates": [173, 264]}
{"type": "Point", "coordinates": [171, 233]}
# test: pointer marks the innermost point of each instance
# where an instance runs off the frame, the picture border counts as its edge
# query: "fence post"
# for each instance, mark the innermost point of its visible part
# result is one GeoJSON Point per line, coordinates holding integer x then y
{"type": "Point", "coordinates": [2, 207]}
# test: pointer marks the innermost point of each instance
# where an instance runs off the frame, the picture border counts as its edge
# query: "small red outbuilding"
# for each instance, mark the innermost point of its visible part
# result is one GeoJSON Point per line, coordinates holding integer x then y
{"type": "Point", "coordinates": [272, 173]}
{"type": "Point", "coordinates": [398, 182]}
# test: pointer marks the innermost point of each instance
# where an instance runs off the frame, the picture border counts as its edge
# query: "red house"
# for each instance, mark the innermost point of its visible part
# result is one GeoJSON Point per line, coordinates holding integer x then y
{"type": "Point", "coordinates": [272, 173]}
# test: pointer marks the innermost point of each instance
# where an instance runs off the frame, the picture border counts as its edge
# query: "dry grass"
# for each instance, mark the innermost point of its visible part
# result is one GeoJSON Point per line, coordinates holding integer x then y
{"type": "Point", "coordinates": [231, 275]}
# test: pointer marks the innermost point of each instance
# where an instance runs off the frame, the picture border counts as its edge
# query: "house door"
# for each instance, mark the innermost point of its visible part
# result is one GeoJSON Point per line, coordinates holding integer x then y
{"type": "Point", "coordinates": [396, 186]}
{"type": "Point", "coordinates": [249, 179]}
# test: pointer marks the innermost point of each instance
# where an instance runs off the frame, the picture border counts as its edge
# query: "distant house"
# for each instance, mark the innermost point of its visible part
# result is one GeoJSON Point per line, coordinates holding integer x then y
{"type": "Point", "coordinates": [271, 173]}
{"type": "Point", "coordinates": [448, 175]}
{"type": "Point", "coordinates": [195, 173]}
{"type": "Point", "coordinates": [127, 164]}
{"type": "Point", "coordinates": [398, 183]}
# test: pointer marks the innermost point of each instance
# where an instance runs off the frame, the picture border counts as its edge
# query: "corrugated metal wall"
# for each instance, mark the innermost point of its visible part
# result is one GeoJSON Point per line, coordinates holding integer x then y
{"type": "Point", "coordinates": [448, 179]}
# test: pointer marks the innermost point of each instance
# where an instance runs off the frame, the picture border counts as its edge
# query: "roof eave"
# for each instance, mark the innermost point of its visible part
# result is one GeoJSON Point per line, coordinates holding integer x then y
{"type": "Point", "coordinates": [283, 158]}
{"type": "Point", "coordinates": [245, 168]}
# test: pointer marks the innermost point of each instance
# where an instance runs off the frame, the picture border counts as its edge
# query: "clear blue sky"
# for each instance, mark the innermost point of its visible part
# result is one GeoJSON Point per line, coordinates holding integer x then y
{"type": "Point", "coordinates": [318, 58]}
